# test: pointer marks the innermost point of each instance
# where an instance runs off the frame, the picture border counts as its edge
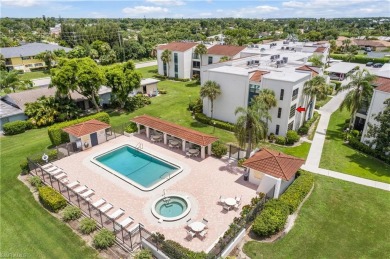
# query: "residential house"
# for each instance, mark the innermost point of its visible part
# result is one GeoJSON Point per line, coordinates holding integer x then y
{"type": "Point", "coordinates": [56, 30]}
{"type": "Point", "coordinates": [10, 113]}
{"type": "Point", "coordinates": [375, 45]}
{"type": "Point", "coordinates": [23, 57]}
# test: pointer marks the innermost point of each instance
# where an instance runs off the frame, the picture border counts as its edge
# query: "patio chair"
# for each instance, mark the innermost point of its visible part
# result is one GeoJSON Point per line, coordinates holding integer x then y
{"type": "Point", "coordinates": [116, 214]}
{"type": "Point", "coordinates": [81, 189]}
{"type": "Point", "coordinates": [106, 207]}
{"type": "Point", "coordinates": [99, 203]}
{"type": "Point", "coordinates": [189, 221]}
{"type": "Point", "coordinates": [88, 193]}
{"type": "Point", "coordinates": [188, 154]}
{"type": "Point", "coordinates": [73, 184]}
{"type": "Point", "coordinates": [226, 207]}
{"type": "Point", "coordinates": [203, 233]}
{"type": "Point", "coordinates": [221, 200]}
{"type": "Point", "coordinates": [205, 222]}
{"type": "Point", "coordinates": [190, 234]}
{"type": "Point", "coordinates": [237, 205]}
{"type": "Point", "coordinates": [170, 146]}
{"type": "Point", "coordinates": [238, 199]}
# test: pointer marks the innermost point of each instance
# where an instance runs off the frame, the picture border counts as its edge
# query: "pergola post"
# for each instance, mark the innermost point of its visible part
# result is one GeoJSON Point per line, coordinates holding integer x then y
{"type": "Point", "coordinates": [209, 149]}
{"type": "Point", "coordinates": [183, 145]}
{"type": "Point", "coordinates": [147, 129]}
{"type": "Point", "coordinates": [165, 138]}
{"type": "Point", "coordinates": [139, 128]}
{"type": "Point", "coordinates": [203, 152]}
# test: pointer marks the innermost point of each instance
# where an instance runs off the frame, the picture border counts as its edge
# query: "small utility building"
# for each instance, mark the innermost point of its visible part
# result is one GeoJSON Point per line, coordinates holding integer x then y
{"type": "Point", "coordinates": [88, 134]}
{"type": "Point", "coordinates": [272, 171]}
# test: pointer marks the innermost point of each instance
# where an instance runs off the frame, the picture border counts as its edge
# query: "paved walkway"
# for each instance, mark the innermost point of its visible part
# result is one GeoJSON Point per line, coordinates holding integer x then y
{"type": "Point", "coordinates": [146, 64]}
{"type": "Point", "coordinates": [314, 157]}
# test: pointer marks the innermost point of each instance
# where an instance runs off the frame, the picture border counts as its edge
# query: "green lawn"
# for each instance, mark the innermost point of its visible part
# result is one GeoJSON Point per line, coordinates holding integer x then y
{"type": "Point", "coordinates": [323, 102]}
{"type": "Point", "coordinates": [339, 220]}
{"type": "Point", "coordinates": [34, 75]}
{"type": "Point", "coordinates": [300, 151]}
{"type": "Point", "coordinates": [339, 157]}
{"type": "Point", "coordinates": [25, 227]}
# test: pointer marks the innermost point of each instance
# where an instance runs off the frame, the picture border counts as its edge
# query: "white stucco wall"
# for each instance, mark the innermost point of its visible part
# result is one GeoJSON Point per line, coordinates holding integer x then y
{"type": "Point", "coordinates": [285, 184]}
{"type": "Point", "coordinates": [101, 136]}
{"type": "Point", "coordinates": [184, 64]}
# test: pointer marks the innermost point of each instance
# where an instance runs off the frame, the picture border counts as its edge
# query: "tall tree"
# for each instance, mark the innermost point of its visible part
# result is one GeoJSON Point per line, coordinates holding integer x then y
{"type": "Point", "coordinates": [314, 88]}
{"type": "Point", "coordinates": [333, 46]}
{"type": "Point", "coordinates": [210, 90]}
{"type": "Point", "coordinates": [249, 129]}
{"type": "Point", "coordinates": [2, 62]}
{"type": "Point", "coordinates": [123, 79]}
{"type": "Point", "coordinates": [11, 80]}
{"type": "Point", "coordinates": [166, 57]}
{"type": "Point", "coordinates": [48, 57]}
{"type": "Point", "coordinates": [380, 132]}
{"type": "Point", "coordinates": [200, 50]}
{"type": "Point", "coordinates": [266, 99]}
{"type": "Point", "coordinates": [360, 92]}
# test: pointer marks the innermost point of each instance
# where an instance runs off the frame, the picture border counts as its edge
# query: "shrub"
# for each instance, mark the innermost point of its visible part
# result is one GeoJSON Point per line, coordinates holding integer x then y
{"type": "Point", "coordinates": [213, 122]}
{"type": "Point", "coordinates": [241, 161]}
{"type": "Point", "coordinates": [271, 220]}
{"type": "Point", "coordinates": [51, 199]}
{"type": "Point", "coordinates": [292, 137]}
{"type": "Point", "coordinates": [297, 191]}
{"type": "Point", "coordinates": [176, 251]}
{"type": "Point", "coordinates": [303, 130]}
{"type": "Point", "coordinates": [87, 225]}
{"type": "Point", "coordinates": [136, 102]}
{"type": "Point", "coordinates": [162, 91]}
{"type": "Point", "coordinates": [24, 167]}
{"type": "Point", "coordinates": [280, 140]}
{"type": "Point", "coordinates": [219, 149]}
{"type": "Point", "coordinates": [196, 106]}
{"type": "Point", "coordinates": [35, 181]}
{"type": "Point", "coordinates": [355, 133]}
{"type": "Point", "coordinates": [132, 127]}
{"type": "Point", "coordinates": [356, 144]}
{"type": "Point", "coordinates": [37, 158]}
{"type": "Point", "coordinates": [14, 127]}
{"type": "Point", "coordinates": [104, 239]}
{"type": "Point", "coordinates": [57, 136]}
{"type": "Point", "coordinates": [71, 213]}
{"type": "Point", "coordinates": [271, 137]}
{"type": "Point", "coordinates": [337, 84]}
{"type": "Point", "coordinates": [144, 254]}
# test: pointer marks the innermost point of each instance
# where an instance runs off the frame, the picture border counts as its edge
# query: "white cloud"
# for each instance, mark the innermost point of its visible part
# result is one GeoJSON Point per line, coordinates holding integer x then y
{"type": "Point", "coordinates": [142, 10]}
{"type": "Point", "coordinates": [205, 14]}
{"type": "Point", "coordinates": [253, 12]}
{"type": "Point", "coordinates": [166, 2]}
{"type": "Point", "coordinates": [98, 15]}
{"type": "Point", "coordinates": [21, 3]}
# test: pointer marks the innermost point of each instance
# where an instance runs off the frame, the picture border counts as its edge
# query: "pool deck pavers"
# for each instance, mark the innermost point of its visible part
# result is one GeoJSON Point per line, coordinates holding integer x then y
{"type": "Point", "coordinates": [202, 180]}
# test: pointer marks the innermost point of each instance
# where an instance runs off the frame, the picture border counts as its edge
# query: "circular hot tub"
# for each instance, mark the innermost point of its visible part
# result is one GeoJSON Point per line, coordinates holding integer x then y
{"type": "Point", "coordinates": [171, 207]}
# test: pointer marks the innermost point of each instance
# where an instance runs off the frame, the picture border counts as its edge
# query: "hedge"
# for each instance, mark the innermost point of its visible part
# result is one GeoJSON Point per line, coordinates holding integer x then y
{"type": "Point", "coordinates": [51, 199]}
{"type": "Point", "coordinates": [304, 129]}
{"type": "Point", "coordinates": [297, 191]}
{"type": "Point", "coordinates": [271, 220]}
{"type": "Point", "coordinates": [280, 140]}
{"type": "Point", "coordinates": [360, 58]}
{"type": "Point", "coordinates": [176, 251]}
{"type": "Point", "coordinates": [337, 83]}
{"type": "Point", "coordinates": [356, 144]}
{"type": "Point", "coordinates": [57, 136]}
{"type": "Point", "coordinates": [14, 127]}
{"type": "Point", "coordinates": [292, 137]}
{"type": "Point", "coordinates": [213, 122]}
{"type": "Point", "coordinates": [219, 149]}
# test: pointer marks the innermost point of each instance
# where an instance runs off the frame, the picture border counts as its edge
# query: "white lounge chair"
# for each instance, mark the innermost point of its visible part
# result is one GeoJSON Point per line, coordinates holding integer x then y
{"type": "Point", "coordinates": [203, 233]}
{"type": "Point", "coordinates": [190, 234]}
{"type": "Point", "coordinates": [99, 203]}
{"type": "Point", "coordinates": [60, 176]}
{"type": "Point", "coordinates": [54, 172]}
{"type": "Point", "coordinates": [237, 205]}
{"type": "Point", "coordinates": [106, 207]}
{"type": "Point", "coordinates": [116, 214]}
{"type": "Point", "coordinates": [127, 221]}
{"type": "Point", "coordinates": [81, 189]}
{"type": "Point", "coordinates": [88, 193]}
{"type": "Point", "coordinates": [238, 199]}
{"type": "Point", "coordinates": [73, 184]}
{"type": "Point", "coordinates": [48, 165]}
{"type": "Point", "coordinates": [226, 207]}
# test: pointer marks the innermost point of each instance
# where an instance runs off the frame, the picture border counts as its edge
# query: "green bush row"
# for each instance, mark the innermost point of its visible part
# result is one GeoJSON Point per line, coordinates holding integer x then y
{"type": "Point", "coordinates": [271, 220]}
{"type": "Point", "coordinates": [360, 58]}
{"type": "Point", "coordinates": [176, 251]}
{"type": "Point", "coordinates": [337, 84]}
{"type": "Point", "coordinates": [356, 144]}
{"type": "Point", "coordinates": [304, 129]}
{"type": "Point", "coordinates": [57, 136]}
{"type": "Point", "coordinates": [213, 122]}
{"type": "Point", "coordinates": [297, 191]}
{"type": "Point", "coordinates": [219, 149]}
{"type": "Point", "coordinates": [51, 199]}
{"type": "Point", "coordinates": [16, 127]}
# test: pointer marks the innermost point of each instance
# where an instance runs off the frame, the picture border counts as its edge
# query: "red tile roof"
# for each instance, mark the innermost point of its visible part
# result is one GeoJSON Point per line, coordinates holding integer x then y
{"type": "Point", "coordinates": [274, 163]}
{"type": "Point", "coordinates": [308, 68]}
{"type": "Point", "coordinates": [320, 49]}
{"type": "Point", "coordinates": [86, 128]}
{"type": "Point", "coordinates": [225, 50]}
{"type": "Point", "coordinates": [256, 77]}
{"type": "Point", "coordinates": [178, 46]}
{"type": "Point", "coordinates": [382, 83]}
{"type": "Point", "coordinates": [175, 130]}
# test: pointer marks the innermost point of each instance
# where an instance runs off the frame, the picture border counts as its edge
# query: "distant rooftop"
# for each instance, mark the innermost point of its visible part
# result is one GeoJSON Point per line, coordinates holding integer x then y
{"type": "Point", "coordinates": [232, 70]}
{"type": "Point", "coordinates": [285, 75]}
{"type": "Point", "coordinates": [7, 110]}
{"type": "Point", "coordinates": [178, 46]}
{"type": "Point", "coordinates": [30, 49]}
{"type": "Point", "coordinates": [341, 67]}
{"type": "Point", "coordinates": [225, 50]}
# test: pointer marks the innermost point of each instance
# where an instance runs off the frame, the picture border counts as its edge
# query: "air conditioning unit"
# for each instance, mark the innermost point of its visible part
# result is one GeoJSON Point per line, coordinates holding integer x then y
{"type": "Point", "coordinates": [285, 59]}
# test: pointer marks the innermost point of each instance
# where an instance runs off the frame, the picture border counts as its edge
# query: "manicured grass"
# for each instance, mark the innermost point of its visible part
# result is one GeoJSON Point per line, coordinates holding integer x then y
{"type": "Point", "coordinates": [339, 220]}
{"type": "Point", "coordinates": [339, 157]}
{"type": "Point", "coordinates": [25, 227]}
{"type": "Point", "coordinates": [148, 71]}
{"type": "Point", "coordinates": [300, 151]}
{"type": "Point", "coordinates": [323, 102]}
{"type": "Point", "coordinates": [34, 75]}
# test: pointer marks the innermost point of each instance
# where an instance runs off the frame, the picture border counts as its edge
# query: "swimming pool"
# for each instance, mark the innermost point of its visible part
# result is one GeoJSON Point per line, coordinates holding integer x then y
{"type": "Point", "coordinates": [137, 167]}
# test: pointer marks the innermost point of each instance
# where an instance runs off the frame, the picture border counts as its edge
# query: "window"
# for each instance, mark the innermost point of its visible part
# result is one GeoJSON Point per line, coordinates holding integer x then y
{"type": "Point", "coordinates": [279, 112]}
{"type": "Point", "coordinates": [210, 60]}
{"type": "Point", "coordinates": [277, 130]}
{"type": "Point", "coordinates": [295, 94]}
{"type": "Point", "coordinates": [290, 125]}
{"type": "Point", "coordinates": [292, 110]}
{"type": "Point", "coordinates": [25, 58]}
{"type": "Point", "coordinates": [176, 70]}
{"type": "Point", "coordinates": [195, 64]}
{"type": "Point", "coordinates": [195, 56]}
{"type": "Point", "coordinates": [254, 88]}
{"type": "Point", "coordinates": [175, 58]}
{"type": "Point", "coordinates": [165, 69]}
{"type": "Point", "coordinates": [281, 94]}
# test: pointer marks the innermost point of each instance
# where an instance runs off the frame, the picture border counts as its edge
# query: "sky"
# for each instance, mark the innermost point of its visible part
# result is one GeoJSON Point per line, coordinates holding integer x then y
{"type": "Point", "coordinates": [195, 8]}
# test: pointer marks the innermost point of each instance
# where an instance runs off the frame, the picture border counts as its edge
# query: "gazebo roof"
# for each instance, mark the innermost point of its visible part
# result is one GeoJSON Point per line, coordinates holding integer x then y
{"type": "Point", "coordinates": [274, 163]}
{"type": "Point", "coordinates": [86, 128]}
{"type": "Point", "coordinates": [190, 135]}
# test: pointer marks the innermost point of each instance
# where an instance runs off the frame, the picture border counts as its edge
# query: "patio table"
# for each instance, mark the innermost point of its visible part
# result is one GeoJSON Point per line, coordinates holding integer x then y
{"type": "Point", "coordinates": [174, 142]}
{"type": "Point", "coordinates": [197, 226]}
{"type": "Point", "coordinates": [193, 151]}
{"type": "Point", "coordinates": [230, 201]}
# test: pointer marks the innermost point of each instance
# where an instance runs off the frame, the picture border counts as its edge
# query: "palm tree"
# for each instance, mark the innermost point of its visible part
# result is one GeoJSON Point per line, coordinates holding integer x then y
{"type": "Point", "coordinates": [360, 93]}
{"type": "Point", "coordinates": [315, 87]}
{"type": "Point", "coordinates": [316, 60]}
{"type": "Point", "coordinates": [200, 50]}
{"type": "Point", "coordinates": [166, 57]}
{"type": "Point", "coordinates": [210, 90]}
{"type": "Point", "coordinates": [349, 57]}
{"type": "Point", "coordinates": [333, 46]}
{"type": "Point", "coordinates": [267, 98]}
{"type": "Point", "coordinates": [48, 57]}
{"type": "Point", "coordinates": [346, 43]}
{"type": "Point", "coordinates": [249, 128]}
{"type": "Point", "coordinates": [10, 80]}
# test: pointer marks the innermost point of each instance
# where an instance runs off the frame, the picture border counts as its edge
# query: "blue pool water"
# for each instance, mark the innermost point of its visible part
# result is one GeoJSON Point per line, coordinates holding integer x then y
{"type": "Point", "coordinates": [142, 168]}
{"type": "Point", "coordinates": [172, 207]}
